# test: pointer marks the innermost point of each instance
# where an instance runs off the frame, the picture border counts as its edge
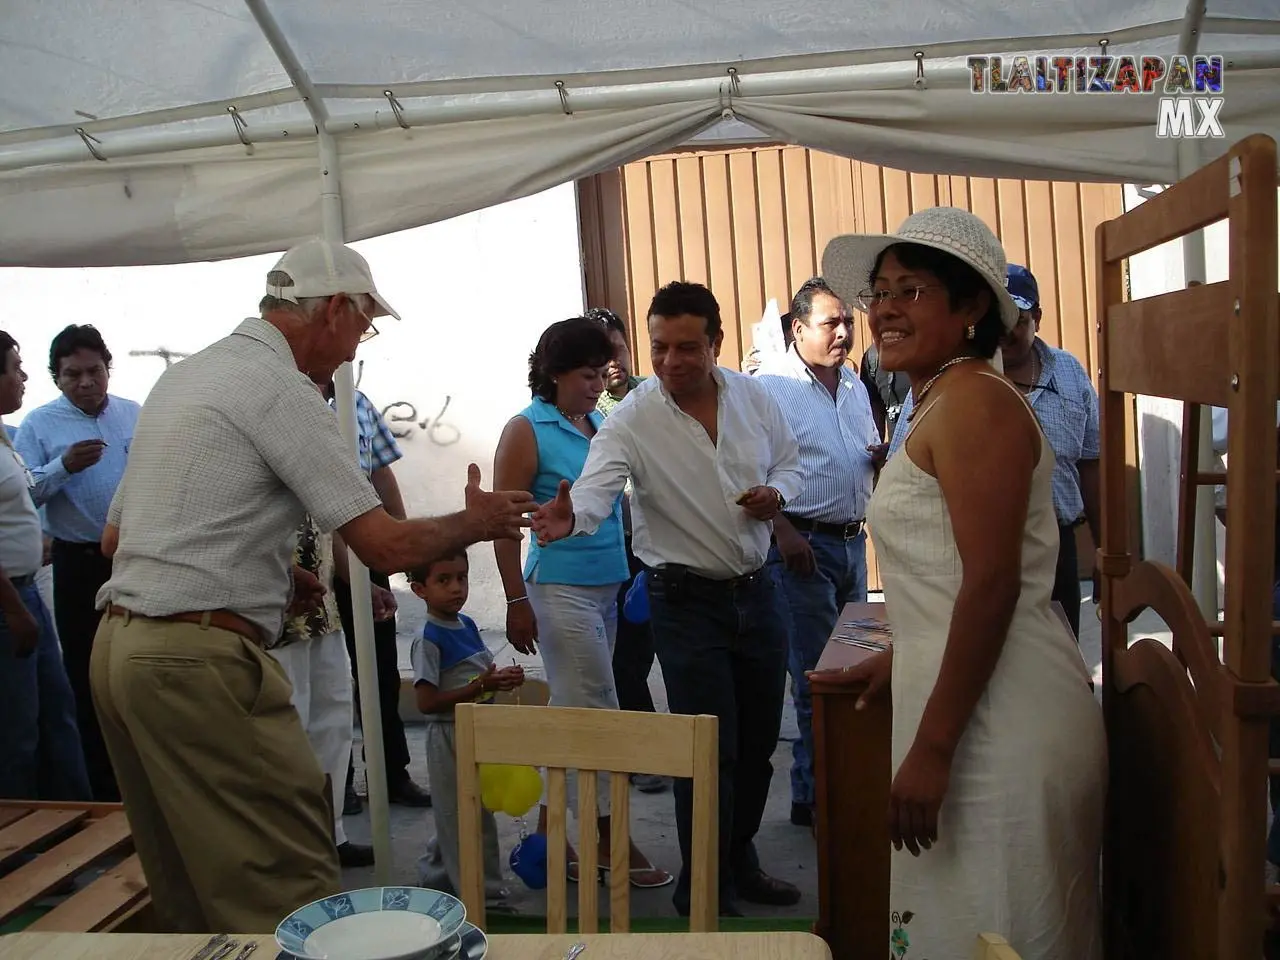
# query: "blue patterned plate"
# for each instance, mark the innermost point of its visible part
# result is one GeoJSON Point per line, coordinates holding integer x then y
{"type": "Point", "coordinates": [376, 923]}
{"type": "Point", "coordinates": [469, 943]}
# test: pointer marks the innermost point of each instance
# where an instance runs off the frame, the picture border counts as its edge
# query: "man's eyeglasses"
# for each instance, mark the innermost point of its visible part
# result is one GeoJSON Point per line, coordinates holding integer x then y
{"type": "Point", "coordinates": [867, 299]}
{"type": "Point", "coordinates": [372, 331]}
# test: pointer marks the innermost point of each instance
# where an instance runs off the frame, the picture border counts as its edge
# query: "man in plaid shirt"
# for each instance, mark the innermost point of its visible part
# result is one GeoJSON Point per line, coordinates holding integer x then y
{"type": "Point", "coordinates": [378, 451]}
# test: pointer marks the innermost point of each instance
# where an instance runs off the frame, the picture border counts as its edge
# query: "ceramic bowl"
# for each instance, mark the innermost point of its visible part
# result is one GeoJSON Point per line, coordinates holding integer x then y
{"type": "Point", "coordinates": [376, 923]}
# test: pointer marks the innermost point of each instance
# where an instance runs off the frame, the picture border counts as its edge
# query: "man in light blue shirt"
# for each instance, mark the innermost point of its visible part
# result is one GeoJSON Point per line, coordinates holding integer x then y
{"type": "Point", "coordinates": [820, 553]}
{"type": "Point", "coordinates": [76, 447]}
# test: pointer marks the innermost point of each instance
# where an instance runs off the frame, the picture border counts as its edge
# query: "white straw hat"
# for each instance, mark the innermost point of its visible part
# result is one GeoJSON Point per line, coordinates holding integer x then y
{"type": "Point", "coordinates": [848, 260]}
{"type": "Point", "coordinates": [320, 268]}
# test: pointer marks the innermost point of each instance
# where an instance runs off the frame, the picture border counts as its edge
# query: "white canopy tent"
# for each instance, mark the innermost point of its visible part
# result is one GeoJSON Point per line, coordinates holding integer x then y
{"type": "Point", "coordinates": [148, 132]}
{"type": "Point", "coordinates": [198, 110]}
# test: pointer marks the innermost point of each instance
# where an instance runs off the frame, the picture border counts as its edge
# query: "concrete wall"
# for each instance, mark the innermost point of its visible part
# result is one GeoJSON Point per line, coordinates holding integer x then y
{"type": "Point", "coordinates": [475, 293]}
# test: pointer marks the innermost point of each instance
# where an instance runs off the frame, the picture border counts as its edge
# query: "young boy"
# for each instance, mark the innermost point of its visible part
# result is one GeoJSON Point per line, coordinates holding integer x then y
{"type": "Point", "coordinates": [451, 665]}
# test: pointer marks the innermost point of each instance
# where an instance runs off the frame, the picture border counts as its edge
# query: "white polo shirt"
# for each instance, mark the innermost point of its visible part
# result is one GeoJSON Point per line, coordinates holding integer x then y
{"type": "Point", "coordinates": [21, 539]}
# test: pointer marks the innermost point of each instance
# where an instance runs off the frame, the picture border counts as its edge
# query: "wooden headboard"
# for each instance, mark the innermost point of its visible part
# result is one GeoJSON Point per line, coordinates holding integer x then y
{"type": "Point", "coordinates": [1187, 728]}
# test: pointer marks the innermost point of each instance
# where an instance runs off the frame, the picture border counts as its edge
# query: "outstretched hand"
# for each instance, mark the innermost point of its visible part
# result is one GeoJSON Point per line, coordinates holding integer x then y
{"type": "Point", "coordinates": [554, 519]}
{"type": "Point", "coordinates": [497, 514]}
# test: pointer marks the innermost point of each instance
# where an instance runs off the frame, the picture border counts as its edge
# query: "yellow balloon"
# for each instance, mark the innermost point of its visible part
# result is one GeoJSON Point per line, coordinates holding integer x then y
{"type": "Point", "coordinates": [524, 789]}
{"type": "Point", "coordinates": [493, 786]}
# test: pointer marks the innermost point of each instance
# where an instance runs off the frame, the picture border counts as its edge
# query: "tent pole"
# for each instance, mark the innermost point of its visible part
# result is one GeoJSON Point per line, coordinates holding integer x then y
{"type": "Point", "coordinates": [344, 389]}
{"type": "Point", "coordinates": [1204, 564]}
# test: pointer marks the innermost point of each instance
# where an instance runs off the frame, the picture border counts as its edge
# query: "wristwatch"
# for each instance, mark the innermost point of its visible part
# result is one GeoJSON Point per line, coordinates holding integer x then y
{"type": "Point", "coordinates": [782, 501]}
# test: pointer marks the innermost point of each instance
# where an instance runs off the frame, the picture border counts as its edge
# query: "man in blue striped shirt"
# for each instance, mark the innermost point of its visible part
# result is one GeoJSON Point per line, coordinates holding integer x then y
{"type": "Point", "coordinates": [77, 447]}
{"type": "Point", "coordinates": [819, 555]}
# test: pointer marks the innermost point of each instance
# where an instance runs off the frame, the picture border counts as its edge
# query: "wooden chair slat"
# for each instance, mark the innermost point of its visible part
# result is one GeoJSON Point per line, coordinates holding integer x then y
{"type": "Point", "coordinates": [37, 827]}
{"type": "Point", "coordinates": [10, 815]}
{"type": "Point", "coordinates": [34, 880]}
{"type": "Point", "coordinates": [100, 905]}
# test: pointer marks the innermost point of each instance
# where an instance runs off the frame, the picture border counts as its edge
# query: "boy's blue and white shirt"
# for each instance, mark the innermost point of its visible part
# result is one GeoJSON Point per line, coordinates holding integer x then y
{"type": "Point", "coordinates": [448, 655]}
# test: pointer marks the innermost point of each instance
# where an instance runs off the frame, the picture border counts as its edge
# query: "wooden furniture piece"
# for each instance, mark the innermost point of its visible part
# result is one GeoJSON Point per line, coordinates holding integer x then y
{"type": "Point", "coordinates": [852, 762]}
{"type": "Point", "coordinates": [68, 839]}
{"type": "Point", "coordinates": [609, 946]}
{"type": "Point", "coordinates": [1186, 813]}
{"type": "Point", "coordinates": [992, 946]}
{"type": "Point", "coordinates": [618, 742]}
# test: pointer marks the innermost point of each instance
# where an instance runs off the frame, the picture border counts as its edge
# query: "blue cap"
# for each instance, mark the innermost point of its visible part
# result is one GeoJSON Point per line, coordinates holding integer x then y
{"type": "Point", "coordinates": [1022, 287]}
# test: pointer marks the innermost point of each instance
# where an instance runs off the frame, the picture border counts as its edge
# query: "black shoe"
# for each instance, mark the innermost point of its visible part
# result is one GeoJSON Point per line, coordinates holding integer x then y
{"type": "Point", "coordinates": [801, 815]}
{"type": "Point", "coordinates": [351, 803]}
{"type": "Point", "coordinates": [759, 887]}
{"type": "Point", "coordinates": [355, 855]}
{"type": "Point", "coordinates": [409, 794]}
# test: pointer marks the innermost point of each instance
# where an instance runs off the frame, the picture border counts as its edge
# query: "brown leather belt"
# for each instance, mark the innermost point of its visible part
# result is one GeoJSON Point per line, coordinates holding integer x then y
{"type": "Point", "coordinates": [218, 619]}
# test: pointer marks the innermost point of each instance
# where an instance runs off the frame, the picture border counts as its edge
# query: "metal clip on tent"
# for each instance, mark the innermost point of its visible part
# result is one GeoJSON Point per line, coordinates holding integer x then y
{"type": "Point", "coordinates": [735, 85]}
{"type": "Point", "coordinates": [241, 125]}
{"type": "Point", "coordinates": [89, 141]}
{"type": "Point", "coordinates": [564, 98]}
{"type": "Point", "coordinates": [920, 81]}
{"type": "Point", "coordinates": [396, 109]}
{"type": "Point", "coordinates": [1102, 45]}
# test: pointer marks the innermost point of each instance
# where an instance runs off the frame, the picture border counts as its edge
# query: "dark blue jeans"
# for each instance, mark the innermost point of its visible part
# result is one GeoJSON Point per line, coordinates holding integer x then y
{"type": "Point", "coordinates": [812, 606]}
{"type": "Point", "coordinates": [1273, 835]}
{"type": "Point", "coordinates": [40, 753]}
{"type": "Point", "coordinates": [722, 647]}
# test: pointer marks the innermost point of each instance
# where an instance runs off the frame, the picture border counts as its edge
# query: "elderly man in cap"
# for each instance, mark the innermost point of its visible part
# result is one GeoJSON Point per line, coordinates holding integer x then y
{"type": "Point", "coordinates": [233, 447]}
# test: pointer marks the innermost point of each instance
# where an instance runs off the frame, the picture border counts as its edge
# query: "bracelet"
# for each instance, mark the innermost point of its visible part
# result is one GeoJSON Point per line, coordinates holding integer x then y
{"type": "Point", "coordinates": [512, 603]}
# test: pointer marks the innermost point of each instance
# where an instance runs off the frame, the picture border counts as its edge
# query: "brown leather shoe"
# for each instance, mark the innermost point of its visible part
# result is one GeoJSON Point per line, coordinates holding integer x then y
{"type": "Point", "coordinates": [759, 887]}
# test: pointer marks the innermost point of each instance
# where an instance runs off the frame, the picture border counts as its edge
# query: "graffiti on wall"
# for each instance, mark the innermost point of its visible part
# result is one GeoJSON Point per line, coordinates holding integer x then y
{"type": "Point", "coordinates": [170, 357]}
{"type": "Point", "coordinates": [402, 417]}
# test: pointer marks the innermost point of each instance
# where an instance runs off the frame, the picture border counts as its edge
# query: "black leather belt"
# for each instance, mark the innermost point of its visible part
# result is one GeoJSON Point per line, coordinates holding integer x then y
{"type": "Point", "coordinates": [847, 531]}
{"type": "Point", "coordinates": [675, 573]}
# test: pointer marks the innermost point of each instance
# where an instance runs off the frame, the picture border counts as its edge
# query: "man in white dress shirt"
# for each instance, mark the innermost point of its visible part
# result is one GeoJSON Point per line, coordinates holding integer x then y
{"type": "Point", "coordinates": [713, 462]}
{"type": "Point", "coordinates": [820, 552]}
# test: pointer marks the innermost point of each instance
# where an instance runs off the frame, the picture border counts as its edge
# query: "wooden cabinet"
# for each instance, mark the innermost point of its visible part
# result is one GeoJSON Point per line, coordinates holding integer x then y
{"type": "Point", "coordinates": [852, 766]}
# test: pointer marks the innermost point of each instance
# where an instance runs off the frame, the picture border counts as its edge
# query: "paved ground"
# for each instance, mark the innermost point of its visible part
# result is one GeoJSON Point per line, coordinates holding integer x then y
{"type": "Point", "coordinates": [785, 850]}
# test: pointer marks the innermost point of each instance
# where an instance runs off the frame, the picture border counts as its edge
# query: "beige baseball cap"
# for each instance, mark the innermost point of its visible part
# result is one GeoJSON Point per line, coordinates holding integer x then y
{"type": "Point", "coordinates": [320, 268]}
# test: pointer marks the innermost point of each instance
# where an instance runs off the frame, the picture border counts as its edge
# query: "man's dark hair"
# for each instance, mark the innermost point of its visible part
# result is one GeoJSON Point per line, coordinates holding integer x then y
{"type": "Point", "coordinates": [788, 337]}
{"type": "Point", "coordinates": [7, 343]}
{"type": "Point", "coordinates": [76, 337]}
{"type": "Point", "coordinates": [678, 298]}
{"type": "Point", "coordinates": [420, 574]}
{"type": "Point", "coordinates": [964, 285]}
{"type": "Point", "coordinates": [564, 346]}
{"type": "Point", "coordinates": [610, 320]}
{"type": "Point", "coordinates": [802, 302]}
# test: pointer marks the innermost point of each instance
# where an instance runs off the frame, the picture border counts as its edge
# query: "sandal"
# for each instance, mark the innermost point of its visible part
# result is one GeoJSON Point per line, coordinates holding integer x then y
{"type": "Point", "coordinates": [637, 872]}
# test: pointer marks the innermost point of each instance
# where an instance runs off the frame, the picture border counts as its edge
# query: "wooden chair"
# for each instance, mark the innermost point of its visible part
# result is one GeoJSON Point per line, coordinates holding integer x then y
{"type": "Point", "coordinates": [992, 946]}
{"type": "Point", "coordinates": [68, 839]}
{"type": "Point", "coordinates": [1187, 729]}
{"type": "Point", "coordinates": [590, 741]}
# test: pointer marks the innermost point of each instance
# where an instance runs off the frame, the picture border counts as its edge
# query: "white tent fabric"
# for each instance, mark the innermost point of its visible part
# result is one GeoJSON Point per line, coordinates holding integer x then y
{"type": "Point", "coordinates": [154, 131]}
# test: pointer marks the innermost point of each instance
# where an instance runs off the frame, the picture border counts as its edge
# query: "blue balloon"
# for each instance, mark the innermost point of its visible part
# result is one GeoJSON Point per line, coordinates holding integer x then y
{"type": "Point", "coordinates": [529, 861]}
{"type": "Point", "coordinates": [635, 607]}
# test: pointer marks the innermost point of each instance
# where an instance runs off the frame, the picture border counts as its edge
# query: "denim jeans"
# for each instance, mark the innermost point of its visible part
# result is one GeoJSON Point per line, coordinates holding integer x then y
{"type": "Point", "coordinates": [1273, 834]}
{"type": "Point", "coordinates": [40, 753]}
{"type": "Point", "coordinates": [722, 647]}
{"type": "Point", "coordinates": [813, 604]}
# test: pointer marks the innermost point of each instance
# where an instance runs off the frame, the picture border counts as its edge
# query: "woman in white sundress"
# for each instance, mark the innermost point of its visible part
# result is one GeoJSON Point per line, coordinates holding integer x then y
{"type": "Point", "coordinates": [999, 752]}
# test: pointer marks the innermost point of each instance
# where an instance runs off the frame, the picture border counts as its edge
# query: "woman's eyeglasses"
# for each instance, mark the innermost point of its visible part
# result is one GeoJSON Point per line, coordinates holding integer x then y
{"type": "Point", "coordinates": [867, 299]}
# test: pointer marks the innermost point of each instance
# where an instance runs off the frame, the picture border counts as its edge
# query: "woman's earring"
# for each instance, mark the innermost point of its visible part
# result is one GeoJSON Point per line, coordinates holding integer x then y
{"type": "Point", "coordinates": [970, 332]}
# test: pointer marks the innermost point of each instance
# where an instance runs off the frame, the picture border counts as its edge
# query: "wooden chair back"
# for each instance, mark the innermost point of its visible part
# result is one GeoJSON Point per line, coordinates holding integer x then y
{"type": "Point", "coordinates": [1186, 807]}
{"type": "Point", "coordinates": [590, 741]}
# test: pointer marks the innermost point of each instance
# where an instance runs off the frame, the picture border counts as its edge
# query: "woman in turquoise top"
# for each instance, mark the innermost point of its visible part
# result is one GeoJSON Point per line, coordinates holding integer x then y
{"type": "Point", "coordinates": [564, 600]}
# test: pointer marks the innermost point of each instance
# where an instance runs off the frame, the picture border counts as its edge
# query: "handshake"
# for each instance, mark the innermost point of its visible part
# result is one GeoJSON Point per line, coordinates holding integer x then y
{"type": "Point", "coordinates": [505, 514]}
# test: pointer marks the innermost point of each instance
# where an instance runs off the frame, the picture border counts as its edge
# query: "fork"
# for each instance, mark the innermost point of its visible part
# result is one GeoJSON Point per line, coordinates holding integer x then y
{"type": "Point", "coordinates": [214, 942]}
{"type": "Point", "coordinates": [575, 951]}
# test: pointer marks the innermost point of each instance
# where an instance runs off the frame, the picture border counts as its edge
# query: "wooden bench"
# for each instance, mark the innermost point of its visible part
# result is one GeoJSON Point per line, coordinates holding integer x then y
{"type": "Point", "coordinates": [59, 842]}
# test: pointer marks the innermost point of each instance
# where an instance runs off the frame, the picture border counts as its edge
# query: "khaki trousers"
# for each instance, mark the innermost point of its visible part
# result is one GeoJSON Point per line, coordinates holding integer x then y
{"type": "Point", "coordinates": [223, 792]}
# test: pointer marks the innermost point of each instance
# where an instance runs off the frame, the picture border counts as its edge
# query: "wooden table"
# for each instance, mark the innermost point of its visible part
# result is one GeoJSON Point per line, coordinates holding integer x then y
{"type": "Point", "coordinates": [852, 762]}
{"type": "Point", "coordinates": [622, 946]}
